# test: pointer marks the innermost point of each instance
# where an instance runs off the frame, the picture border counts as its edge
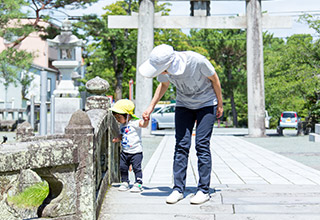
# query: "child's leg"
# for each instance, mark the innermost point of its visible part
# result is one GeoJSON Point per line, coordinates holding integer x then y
{"type": "Point", "coordinates": [124, 166]}
{"type": "Point", "coordinates": [136, 165]}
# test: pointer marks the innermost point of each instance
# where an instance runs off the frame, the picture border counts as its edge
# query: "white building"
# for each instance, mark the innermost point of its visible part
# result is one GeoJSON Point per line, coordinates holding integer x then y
{"type": "Point", "coordinates": [44, 56]}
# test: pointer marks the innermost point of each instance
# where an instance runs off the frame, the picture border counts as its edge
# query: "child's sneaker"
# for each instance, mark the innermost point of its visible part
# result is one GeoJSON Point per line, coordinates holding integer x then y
{"type": "Point", "coordinates": [136, 188]}
{"type": "Point", "coordinates": [124, 186]}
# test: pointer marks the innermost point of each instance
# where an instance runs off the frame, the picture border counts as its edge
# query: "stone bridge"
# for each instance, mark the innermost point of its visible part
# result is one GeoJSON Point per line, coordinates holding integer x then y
{"type": "Point", "coordinates": [78, 165]}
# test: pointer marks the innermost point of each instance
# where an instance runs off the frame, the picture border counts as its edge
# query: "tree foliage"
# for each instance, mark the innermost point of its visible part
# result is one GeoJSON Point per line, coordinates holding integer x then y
{"type": "Point", "coordinates": [9, 10]}
{"type": "Point", "coordinates": [291, 74]}
{"type": "Point", "coordinates": [111, 53]}
{"type": "Point", "coordinates": [12, 63]}
{"type": "Point", "coordinates": [14, 31]}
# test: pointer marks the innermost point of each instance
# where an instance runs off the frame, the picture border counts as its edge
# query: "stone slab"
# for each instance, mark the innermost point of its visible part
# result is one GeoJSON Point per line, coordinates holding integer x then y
{"type": "Point", "coordinates": [272, 200]}
{"type": "Point", "coordinates": [317, 128]}
{"type": "Point", "coordinates": [283, 188]}
{"type": "Point", "coordinates": [279, 209]}
{"type": "Point", "coordinates": [157, 217]}
{"type": "Point", "coordinates": [64, 108]}
{"type": "Point", "coordinates": [314, 137]}
{"type": "Point", "coordinates": [266, 217]}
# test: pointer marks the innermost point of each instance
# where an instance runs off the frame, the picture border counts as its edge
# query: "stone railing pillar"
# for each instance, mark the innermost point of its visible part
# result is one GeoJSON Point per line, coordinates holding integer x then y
{"type": "Point", "coordinates": [24, 131]}
{"type": "Point", "coordinates": [97, 87]}
{"type": "Point", "coordinates": [81, 132]}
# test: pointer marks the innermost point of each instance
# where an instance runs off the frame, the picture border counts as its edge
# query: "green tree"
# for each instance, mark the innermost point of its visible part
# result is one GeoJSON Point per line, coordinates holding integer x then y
{"type": "Point", "coordinates": [313, 100]}
{"type": "Point", "coordinates": [111, 53]}
{"type": "Point", "coordinates": [25, 81]}
{"type": "Point", "coordinates": [12, 63]}
{"type": "Point", "coordinates": [9, 10]}
{"type": "Point", "coordinates": [38, 10]}
{"type": "Point", "coordinates": [14, 31]}
{"type": "Point", "coordinates": [291, 74]}
{"type": "Point", "coordinates": [312, 21]}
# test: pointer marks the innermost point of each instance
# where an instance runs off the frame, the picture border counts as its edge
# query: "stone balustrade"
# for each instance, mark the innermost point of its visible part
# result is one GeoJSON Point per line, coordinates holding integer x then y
{"type": "Point", "coordinates": [77, 165]}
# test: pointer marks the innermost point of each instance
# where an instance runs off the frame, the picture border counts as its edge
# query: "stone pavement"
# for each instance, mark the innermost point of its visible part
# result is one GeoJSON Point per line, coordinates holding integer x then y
{"type": "Point", "coordinates": [248, 182]}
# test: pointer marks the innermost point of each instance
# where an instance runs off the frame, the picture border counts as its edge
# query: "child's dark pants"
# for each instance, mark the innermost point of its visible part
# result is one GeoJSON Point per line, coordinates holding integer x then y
{"type": "Point", "coordinates": [125, 160]}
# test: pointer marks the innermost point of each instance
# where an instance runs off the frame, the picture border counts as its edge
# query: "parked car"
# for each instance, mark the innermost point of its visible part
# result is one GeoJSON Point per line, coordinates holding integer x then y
{"type": "Point", "coordinates": [164, 117]}
{"type": "Point", "coordinates": [158, 107]}
{"type": "Point", "coordinates": [288, 119]}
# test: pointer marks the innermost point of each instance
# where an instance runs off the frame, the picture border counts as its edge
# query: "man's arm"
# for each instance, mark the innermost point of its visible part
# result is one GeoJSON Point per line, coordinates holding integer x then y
{"type": "Point", "coordinates": [160, 91]}
{"type": "Point", "coordinates": [217, 89]}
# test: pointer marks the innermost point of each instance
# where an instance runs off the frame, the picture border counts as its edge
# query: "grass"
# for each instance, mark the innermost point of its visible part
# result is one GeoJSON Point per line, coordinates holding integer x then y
{"type": "Point", "coordinates": [32, 196]}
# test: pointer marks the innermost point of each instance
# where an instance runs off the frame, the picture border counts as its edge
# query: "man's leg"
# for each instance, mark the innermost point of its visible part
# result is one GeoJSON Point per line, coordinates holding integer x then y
{"type": "Point", "coordinates": [205, 121]}
{"type": "Point", "coordinates": [184, 122]}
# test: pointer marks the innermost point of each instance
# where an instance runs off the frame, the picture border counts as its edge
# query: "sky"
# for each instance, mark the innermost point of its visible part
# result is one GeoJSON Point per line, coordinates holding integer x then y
{"type": "Point", "coordinates": [292, 8]}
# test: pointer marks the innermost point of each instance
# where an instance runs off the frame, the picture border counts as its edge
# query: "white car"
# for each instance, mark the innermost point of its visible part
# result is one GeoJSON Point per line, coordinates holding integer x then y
{"type": "Point", "coordinates": [289, 120]}
{"type": "Point", "coordinates": [165, 116]}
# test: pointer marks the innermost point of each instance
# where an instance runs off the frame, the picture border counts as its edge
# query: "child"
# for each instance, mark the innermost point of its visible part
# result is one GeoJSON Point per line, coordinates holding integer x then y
{"type": "Point", "coordinates": [130, 137]}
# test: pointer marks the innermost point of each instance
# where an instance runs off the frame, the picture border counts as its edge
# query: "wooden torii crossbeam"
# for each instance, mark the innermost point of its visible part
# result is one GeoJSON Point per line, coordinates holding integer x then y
{"type": "Point", "coordinates": [254, 21]}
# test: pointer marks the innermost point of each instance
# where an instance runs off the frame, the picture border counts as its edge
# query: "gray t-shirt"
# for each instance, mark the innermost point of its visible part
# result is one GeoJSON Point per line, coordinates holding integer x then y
{"type": "Point", "coordinates": [194, 89]}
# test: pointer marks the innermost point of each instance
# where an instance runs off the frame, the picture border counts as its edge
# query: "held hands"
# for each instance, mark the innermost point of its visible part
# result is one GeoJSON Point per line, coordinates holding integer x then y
{"type": "Point", "coordinates": [146, 114]}
{"type": "Point", "coordinates": [146, 117]}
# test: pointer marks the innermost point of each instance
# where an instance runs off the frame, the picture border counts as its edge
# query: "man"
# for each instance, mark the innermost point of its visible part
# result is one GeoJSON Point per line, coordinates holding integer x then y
{"type": "Point", "coordinates": [198, 100]}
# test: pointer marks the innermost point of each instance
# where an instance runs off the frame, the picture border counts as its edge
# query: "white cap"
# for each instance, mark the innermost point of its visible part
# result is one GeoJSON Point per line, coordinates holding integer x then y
{"type": "Point", "coordinates": [160, 60]}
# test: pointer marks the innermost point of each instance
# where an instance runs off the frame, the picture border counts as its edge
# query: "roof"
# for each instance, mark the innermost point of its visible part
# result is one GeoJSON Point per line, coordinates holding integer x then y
{"type": "Point", "coordinates": [44, 68]}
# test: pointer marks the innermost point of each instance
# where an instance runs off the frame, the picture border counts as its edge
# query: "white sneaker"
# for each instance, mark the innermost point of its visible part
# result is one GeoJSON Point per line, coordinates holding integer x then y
{"type": "Point", "coordinates": [199, 198]}
{"type": "Point", "coordinates": [136, 188]}
{"type": "Point", "coordinates": [124, 186]}
{"type": "Point", "coordinates": [174, 197]}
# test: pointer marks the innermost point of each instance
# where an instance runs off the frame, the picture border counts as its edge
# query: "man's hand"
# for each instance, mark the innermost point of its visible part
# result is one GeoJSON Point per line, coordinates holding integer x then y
{"type": "Point", "coordinates": [219, 111]}
{"type": "Point", "coordinates": [146, 114]}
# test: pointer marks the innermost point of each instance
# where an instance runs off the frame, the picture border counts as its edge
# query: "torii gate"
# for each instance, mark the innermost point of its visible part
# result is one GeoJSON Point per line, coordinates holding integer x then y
{"type": "Point", "coordinates": [254, 21]}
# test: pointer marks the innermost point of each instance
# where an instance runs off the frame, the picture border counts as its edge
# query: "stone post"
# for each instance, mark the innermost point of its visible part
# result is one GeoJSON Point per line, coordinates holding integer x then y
{"type": "Point", "coordinates": [24, 131]}
{"type": "Point", "coordinates": [81, 132]}
{"type": "Point", "coordinates": [145, 46]}
{"type": "Point", "coordinates": [255, 75]}
{"type": "Point", "coordinates": [97, 87]}
{"type": "Point", "coordinates": [43, 104]}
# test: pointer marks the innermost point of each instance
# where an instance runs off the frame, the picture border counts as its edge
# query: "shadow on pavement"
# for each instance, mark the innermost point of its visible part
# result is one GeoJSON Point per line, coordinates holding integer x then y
{"type": "Point", "coordinates": [165, 191]}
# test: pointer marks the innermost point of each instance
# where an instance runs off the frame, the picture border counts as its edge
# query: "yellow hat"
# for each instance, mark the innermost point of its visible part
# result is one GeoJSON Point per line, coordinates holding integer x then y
{"type": "Point", "coordinates": [124, 106]}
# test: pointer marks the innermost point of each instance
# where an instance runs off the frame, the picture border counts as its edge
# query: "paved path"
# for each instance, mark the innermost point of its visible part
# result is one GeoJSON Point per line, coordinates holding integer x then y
{"type": "Point", "coordinates": [250, 183]}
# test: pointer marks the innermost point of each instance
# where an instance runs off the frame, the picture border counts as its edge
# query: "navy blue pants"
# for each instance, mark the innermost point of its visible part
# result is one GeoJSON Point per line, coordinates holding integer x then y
{"type": "Point", "coordinates": [125, 161]}
{"type": "Point", "coordinates": [184, 122]}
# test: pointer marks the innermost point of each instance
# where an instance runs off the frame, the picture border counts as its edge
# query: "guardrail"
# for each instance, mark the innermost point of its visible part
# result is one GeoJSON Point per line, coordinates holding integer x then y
{"type": "Point", "coordinates": [78, 166]}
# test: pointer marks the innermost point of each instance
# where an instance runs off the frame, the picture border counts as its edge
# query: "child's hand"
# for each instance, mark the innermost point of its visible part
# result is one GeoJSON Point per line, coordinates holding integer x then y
{"type": "Point", "coordinates": [146, 114]}
{"type": "Point", "coordinates": [114, 140]}
{"type": "Point", "coordinates": [143, 123]}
